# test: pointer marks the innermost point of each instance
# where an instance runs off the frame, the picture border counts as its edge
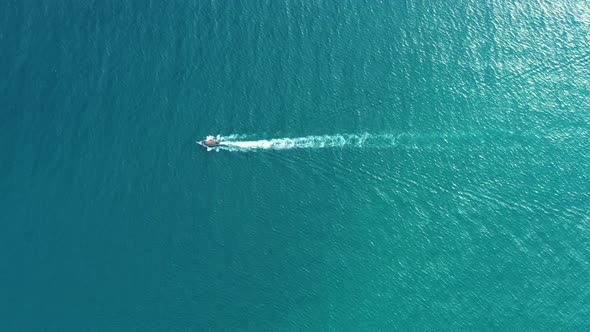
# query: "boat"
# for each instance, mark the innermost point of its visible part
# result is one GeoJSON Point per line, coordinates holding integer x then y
{"type": "Point", "coordinates": [210, 143]}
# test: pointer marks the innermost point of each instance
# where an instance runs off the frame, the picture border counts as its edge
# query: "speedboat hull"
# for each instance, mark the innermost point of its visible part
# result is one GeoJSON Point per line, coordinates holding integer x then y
{"type": "Point", "coordinates": [209, 144]}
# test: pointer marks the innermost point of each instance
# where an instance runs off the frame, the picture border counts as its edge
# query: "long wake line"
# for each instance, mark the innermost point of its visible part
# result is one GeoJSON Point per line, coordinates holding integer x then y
{"type": "Point", "coordinates": [366, 140]}
{"type": "Point", "coordinates": [234, 143]}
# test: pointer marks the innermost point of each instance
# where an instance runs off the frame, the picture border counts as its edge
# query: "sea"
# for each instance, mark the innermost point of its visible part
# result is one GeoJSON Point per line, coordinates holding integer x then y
{"type": "Point", "coordinates": [386, 165]}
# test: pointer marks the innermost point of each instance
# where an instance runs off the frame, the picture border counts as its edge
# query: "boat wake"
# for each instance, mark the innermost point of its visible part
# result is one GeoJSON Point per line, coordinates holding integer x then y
{"type": "Point", "coordinates": [380, 141]}
{"type": "Point", "coordinates": [231, 143]}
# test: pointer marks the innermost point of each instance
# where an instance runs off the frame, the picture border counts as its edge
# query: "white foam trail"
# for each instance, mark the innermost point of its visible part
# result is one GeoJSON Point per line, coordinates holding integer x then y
{"type": "Point", "coordinates": [307, 142]}
{"type": "Point", "coordinates": [381, 141]}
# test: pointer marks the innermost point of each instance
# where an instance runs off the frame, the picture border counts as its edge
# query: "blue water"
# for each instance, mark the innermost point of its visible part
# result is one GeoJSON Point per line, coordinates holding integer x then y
{"type": "Point", "coordinates": [403, 165]}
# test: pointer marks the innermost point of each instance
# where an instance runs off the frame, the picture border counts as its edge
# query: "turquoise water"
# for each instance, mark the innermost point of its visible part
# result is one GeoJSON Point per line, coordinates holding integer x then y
{"type": "Point", "coordinates": [403, 165]}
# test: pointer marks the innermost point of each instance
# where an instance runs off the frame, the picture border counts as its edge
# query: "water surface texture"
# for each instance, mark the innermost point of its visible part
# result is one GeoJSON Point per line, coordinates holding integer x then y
{"type": "Point", "coordinates": [392, 165]}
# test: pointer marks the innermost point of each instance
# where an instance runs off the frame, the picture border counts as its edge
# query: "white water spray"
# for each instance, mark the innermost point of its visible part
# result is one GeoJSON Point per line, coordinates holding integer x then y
{"type": "Point", "coordinates": [366, 140]}
{"type": "Point", "coordinates": [231, 143]}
